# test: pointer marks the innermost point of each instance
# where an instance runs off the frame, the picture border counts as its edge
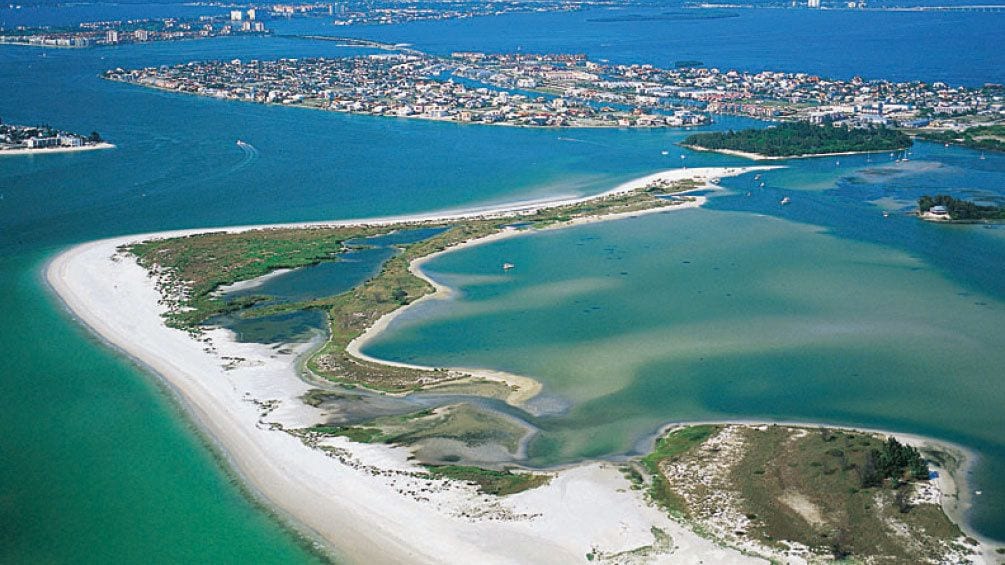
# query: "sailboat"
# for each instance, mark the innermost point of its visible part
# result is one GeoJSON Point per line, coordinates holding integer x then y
{"type": "Point", "coordinates": [983, 156]}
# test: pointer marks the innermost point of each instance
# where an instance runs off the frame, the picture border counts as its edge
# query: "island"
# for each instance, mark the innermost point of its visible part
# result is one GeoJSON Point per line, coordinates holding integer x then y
{"type": "Point", "coordinates": [945, 208]}
{"type": "Point", "coordinates": [408, 482]}
{"type": "Point", "coordinates": [799, 139]}
{"type": "Point", "coordinates": [570, 90]}
{"type": "Point", "coordinates": [32, 140]}
{"type": "Point", "coordinates": [515, 90]}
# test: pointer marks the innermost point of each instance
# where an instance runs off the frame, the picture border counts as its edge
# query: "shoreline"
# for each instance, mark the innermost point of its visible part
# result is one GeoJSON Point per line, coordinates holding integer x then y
{"type": "Point", "coordinates": [373, 509]}
{"type": "Point", "coordinates": [526, 388]}
{"type": "Point", "coordinates": [449, 120]}
{"type": "Point", "coordinates": [54, 150]}
{"type": "Point", "coordinates": [957, 492]}
{"type": "Point", "coordinates": [760, 157]}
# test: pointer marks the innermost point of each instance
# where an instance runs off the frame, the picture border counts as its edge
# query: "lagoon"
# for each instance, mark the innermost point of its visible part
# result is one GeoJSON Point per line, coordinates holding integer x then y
{"type": "Point", "coordinates": [98, 446]}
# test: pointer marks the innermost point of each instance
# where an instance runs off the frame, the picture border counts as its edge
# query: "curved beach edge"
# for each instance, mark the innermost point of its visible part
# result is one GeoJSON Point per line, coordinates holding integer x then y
{"type": "Point", "coordinates": [365, 502]}
{"type": "Point", "coordinates": [526, 388]}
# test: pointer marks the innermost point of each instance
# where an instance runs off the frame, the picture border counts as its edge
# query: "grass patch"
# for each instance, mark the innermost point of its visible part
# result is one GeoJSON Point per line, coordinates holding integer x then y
{"type": "Point", "coordinates": [814, 488]}
{"type": "Point", "coordinates": [190, 269]}
{"type": "Point", "coordinates": [674, 444]}
{"type": "Point", "coordinates": [353, 433]}
{"type": "Point", "coordinates": [488, 481]}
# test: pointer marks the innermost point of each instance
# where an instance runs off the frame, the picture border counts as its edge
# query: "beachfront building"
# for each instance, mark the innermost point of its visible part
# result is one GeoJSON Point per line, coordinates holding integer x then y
{"type": "Point", "coordinates": [41, 142]}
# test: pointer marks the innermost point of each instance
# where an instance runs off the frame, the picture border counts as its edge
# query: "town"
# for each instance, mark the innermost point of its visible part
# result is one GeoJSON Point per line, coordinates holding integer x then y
{"type": "Point", "coordinates": [250, 19]}
{"type": "Point", "coordinates": [570, 90]}
{"type": "Point", "coordinates": [115, 32]}
{"type": "Point", "coordinates": [545, 89]}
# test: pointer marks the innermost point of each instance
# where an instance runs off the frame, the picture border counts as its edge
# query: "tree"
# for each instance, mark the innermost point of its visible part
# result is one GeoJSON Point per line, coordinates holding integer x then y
{"type": "Point", "coordinates": [95, 137]}
{"type": "Point", "coordinates": [868, 473]}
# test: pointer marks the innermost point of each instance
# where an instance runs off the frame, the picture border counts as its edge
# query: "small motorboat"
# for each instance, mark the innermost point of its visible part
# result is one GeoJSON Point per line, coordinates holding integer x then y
{"type": "Point", "coordinates": [785, 201]}
{"type": "Point", "coordinates": [508, 266]}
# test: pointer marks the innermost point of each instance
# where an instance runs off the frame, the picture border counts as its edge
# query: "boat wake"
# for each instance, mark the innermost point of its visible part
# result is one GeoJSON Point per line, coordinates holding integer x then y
{"type": "Point", "coordinates": [577, 140]}
{"type": "Point", "coordinates": [250, 156]}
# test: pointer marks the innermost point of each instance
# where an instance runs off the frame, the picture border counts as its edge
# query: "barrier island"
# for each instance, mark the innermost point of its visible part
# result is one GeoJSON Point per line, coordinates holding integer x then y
{"type": "Point", "coordinates": [415, 483]}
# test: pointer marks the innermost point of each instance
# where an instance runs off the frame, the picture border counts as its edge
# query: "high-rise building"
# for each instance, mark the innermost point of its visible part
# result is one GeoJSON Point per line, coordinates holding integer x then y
{"type": "Point", "coordinates": [236, 15]}
{"type": "Point", "coordinates": [112, 36]}
{"type": "Point", "coordinates": [141, 35]}
{"type": "Point", "coordinates": [813, 3]}
{"type": "Point", "coordinates": [252, 14]}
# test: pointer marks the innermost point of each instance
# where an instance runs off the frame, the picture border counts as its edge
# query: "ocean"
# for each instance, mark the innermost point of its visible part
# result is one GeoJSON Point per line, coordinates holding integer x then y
{"type": "Point", "coordinates": [896, 319]}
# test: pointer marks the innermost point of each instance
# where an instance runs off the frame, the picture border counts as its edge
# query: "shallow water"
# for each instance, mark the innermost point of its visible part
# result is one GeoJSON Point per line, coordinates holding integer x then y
{"type": "Point", "coordinates": [821, 310]}
{"type": "Point", "coordinates": [99, 465]}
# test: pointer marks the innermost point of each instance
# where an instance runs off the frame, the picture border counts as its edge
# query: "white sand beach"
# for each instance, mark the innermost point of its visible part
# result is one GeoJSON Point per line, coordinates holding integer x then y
{"type": "Point", "coordinates": [364, 502]}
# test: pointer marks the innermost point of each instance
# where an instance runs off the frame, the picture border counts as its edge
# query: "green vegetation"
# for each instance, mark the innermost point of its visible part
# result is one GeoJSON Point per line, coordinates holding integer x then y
{"type": "Point", "coordinates": [961, 210]}
{"type": "Point", "coordinates": [838, 492]}
{"type": "Point", "coordinates": [841, 493]}
{"type": "Point", "coordinates": [668, 447]}
{"type": "Point", "coordinates": [191, 269]}
{"type": "Point", "coordinates": [894, 461]}
{"type": "Point", "coordinates": [353, 433]}
{"type": "Point", "coordinates": [468, 426]}
{"type": "Point", "coordinates": [800, 138]}
{"type": "Point", "coordinates": [499, 483]}
{"type": "Point", "coordinates": [990, 138]}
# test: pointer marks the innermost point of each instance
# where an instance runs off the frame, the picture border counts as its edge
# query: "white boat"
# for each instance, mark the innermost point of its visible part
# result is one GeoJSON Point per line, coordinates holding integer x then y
{"type": "Point", "coordinates": [242, 143]}
{"type": "Point", "coordinates": [785, 201]}
{"type": "Point", "coordinates": [664, 152]}
{"type": "Point", "coordinates": [886, 214]}
{"type": "Point", "coordinates": [983, 156]}
{"type": "Point", "coordinates": [508, 266]}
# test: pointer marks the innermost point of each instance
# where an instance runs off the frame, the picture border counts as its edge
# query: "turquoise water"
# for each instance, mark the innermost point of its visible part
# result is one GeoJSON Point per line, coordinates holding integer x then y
{"type": "Point", "coordinates": [821, 310]}
{"type": "Point", "coordinates": [97, 463]}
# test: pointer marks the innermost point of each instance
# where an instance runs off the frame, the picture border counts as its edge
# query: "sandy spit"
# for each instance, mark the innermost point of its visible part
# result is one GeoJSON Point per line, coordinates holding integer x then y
{"type": "Point", "coordinates": [367, 503]}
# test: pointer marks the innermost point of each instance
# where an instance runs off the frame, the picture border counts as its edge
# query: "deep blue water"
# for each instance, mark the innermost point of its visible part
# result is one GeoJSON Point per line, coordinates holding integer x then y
{"type": "Point", "coordinates": [961, 48]}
